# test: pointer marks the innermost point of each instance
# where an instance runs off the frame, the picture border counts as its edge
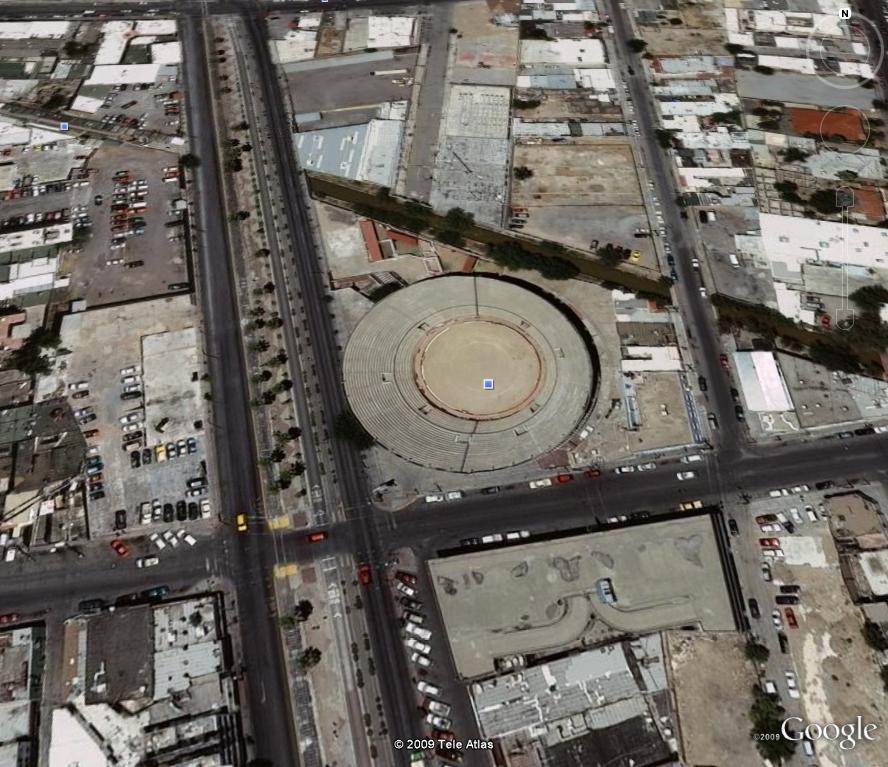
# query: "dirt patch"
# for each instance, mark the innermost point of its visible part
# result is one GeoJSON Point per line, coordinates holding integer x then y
{"type": "Point", "coordinates": [707, 671]}
{"type": "Point", "coordinates": [833, 122]}
{"type": "Point", "coordinates": [583, 172]}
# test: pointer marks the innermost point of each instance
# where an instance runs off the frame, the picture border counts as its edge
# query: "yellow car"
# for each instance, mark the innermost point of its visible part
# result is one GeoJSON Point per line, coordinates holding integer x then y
{"type": "Point", "coordinates": [242, 523]}
{"type": "Point", "coordinates": [635, 255]}
{"type": "Point", "coordinates": [160, 453]}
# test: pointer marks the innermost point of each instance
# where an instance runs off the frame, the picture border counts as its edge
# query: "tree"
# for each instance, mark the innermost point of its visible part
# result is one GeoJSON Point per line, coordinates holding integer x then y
{"type": "Point", "coordinates": [56, 101]}
{"type": "Point", "coordinates": [268, 397]}
{"type": "Point", "coordinates": [303, 610]}
{"type": "Point", "coordinates": [259, 345]}
{"type": "Point", "coordinates": [294, 432]}
{"type": "Point", "coordinates": [636, 45]}
{"type": "Point", "coordinates": [459, 220]}
{"type": "Point", "coordinates": [268, 287]}
{"type": "Point", "coordinates": [189, 160]}
{"type": "Point", "coordinates": [29, 358]}
{"type": "Point", "coordinates": [448, 237]}
{"type": "Point", "coordinates": [277, 455]}
{"type": "Point", "coordinates": [767, 715]}
{"type": "Point", "coordinates": [734, 48]}
{"type": "Point", "coordinates": [870, 299]}
{"type": "Point", "coordinates": [665, 138]}
{"type": "Point", "coordinates": [287, 622]}
{"type": "Point", "coordinates": [298, 468]}
{"type": "Point", "coordinates": [824, 201]}
{"type": "Point", "coordinates": [756, 652]}
{"type": "Point", "coordinates": [347, 427]}
{"type": "Point", "coordinates": [309, 658]}
{"type": "Point", "coordinates": [612, 254]}
{"type": "Point", "coordinates": [794, 154]}
{"type": "Point", "coordinates": [522, 172]}
{"type": "Point", "coordinates": [284, 385]}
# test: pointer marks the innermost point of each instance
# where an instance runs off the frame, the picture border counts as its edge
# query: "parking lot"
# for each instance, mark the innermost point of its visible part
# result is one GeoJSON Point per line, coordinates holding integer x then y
{"type": "Point", "coordinates": [136, 392]}
{"type": "Point", "coordinates": [129, 250]}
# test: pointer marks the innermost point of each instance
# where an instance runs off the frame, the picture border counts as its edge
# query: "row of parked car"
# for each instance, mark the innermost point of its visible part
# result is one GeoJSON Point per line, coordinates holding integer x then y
{"type": "Point", "coordinates": [437, 712]}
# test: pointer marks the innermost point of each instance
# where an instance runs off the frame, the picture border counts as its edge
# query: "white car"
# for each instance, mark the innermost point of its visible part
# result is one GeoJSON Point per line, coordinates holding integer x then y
{"type": "Point", "coordinates": [130, 379]}
{"type": "Point", "coordinates": [420, 660]}
{"type": "Point", "coordinates": [170, 538]}
{"type": "Point", "coordinates": [811, 514]}
{"type": "Point", "coordinates": [695, 263]}
{"type": "Point", "coordinates": [796, 517]}
{"type": "Point", "coordinates": [455, 495]}
{"type": "Point", "coordinates": [766, 571]}
{"type": "Point", "coordinates": [624, 469]}
{"type": "Point", "coordinates": [492, 538]}
{"type": "Point", "coordinates": [439, 708]}
{"type": "Point", "coordinates": [777, 619]}
{"type": "Point", "coordinates": [147, 562]}
{"type": "Point", "coordinates": [537, 483]}
{"type": "Point", "coordinates": [647, 466]}
{"type": "Point", "coordinates": [682, 475]}
{"type": "Point", "coordinates": [132, 417]}
{"type": "Point", "coordinates": [773, 553]}
{"type": "Point", "coordinates": [406, 590]}
{"type": "Point", "coordinates": [441, 722]}
{"type": "Point", "coordinates": [881, 429]}
{"type": "Point", "coordinates": [158, 541]}
{"type": "Point", "coordinates": [418, 631]}
{"type": "Point", "coordinates": [205, 508]}
{"type": "Point", "coordinates": [78, 386]}
{"type": "Point", "coordinates": [189, 539]}
{"type": "Point", "coordinates": [779, 492]}
{"type": "Point", "coordinates": [428, 688]}
{"type": "Point", "coordinates": [703, 291]}
{"type": "Point", "coordinates": [801, 488]}
{"type": "Point", "coordinates": [133, 426]}
{"type": "Point", "coordinates": [771, 528]}
{"type": "Point", "coordinates": [792, 686]}
{"type": "Point", "coordinates": [415, 644]}
{"type": "Point", "coordinates": [516, 535]}
{"type": "Point", "coordinates": [437, 498]}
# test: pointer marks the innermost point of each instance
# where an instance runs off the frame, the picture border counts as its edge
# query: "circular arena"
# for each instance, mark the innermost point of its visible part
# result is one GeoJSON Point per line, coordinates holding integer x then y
{"type": "Point", "coordinates": [468, 373]}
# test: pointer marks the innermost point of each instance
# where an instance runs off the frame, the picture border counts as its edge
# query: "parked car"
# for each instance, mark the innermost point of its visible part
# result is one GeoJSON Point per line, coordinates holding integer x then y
{"type": "Point", "coordinates": [754, 608]}
{"type": "Point", "coordinates": [416, 644]}
{"type": "Point", "coordinates": [427, 688]}
{"type": "Point", "coordinates": [792, 686]}
{"type": "Point", "coordinates": [365, 574]}
{"type": "Point", "coordinates": [420, 660]}
{"type": "Point", "coordinates": [147, 561]}
{"type": "Point", "coordinates": [682, 475]}
{"type": "Point", "coordinates": [316, 537]}
{"type": "Point", "coordinates": [791, 620]}
{"type": "Point", "coordinates": [120, 548]}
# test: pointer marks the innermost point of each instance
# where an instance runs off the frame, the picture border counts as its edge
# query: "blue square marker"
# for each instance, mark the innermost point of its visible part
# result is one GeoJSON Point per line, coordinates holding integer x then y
{"type": "Point", "coordinates": [63, 126]}
{"type": "Point", "coordinates": [488, 384]}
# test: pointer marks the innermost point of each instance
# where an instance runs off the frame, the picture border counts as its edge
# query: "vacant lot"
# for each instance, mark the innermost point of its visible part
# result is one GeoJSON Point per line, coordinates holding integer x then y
{"type": "Point", "coordinates": [706, 672]}
{"type": "Point", "coordinates": [582, 172]}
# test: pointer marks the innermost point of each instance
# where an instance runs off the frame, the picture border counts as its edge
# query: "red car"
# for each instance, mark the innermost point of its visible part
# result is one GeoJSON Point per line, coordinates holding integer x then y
{"type": "Point", "coordinates": [592, 473]}
{"type": "Point", "coordinates": [8, 618]}
{"type": "Point", "coordinates": [365, 575]}
{"type": "Point", "coordinates": [790, 618]}
{"type": "Point", "coordinates": [563, 478]}
{"type": "Point", "coordinates": [316, 537]}
{"type": "Point", "coordinates": [769, 543]}
{"type": "Point", "coordinates": [765, 519]}
{"type": "Point", "coordinates": [723, 359]}
{"type": "Point", "coordinates": [408, 578]}
{"type": "Point", "coordinates": [120, 548]}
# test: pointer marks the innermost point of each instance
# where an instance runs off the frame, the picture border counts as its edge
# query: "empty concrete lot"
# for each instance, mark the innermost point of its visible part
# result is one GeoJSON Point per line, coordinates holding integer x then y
{"type": "Point", "coordinates": [346, 86]}
{"type": "Point", "coordinates": [543, 597]}
{"type": "Point", "coordinates": [92, 277]}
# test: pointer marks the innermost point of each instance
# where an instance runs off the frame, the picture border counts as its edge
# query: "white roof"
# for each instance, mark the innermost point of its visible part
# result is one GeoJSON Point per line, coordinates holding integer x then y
{"type": "Point", "coordinates": [692, 179]}
{"type": "Point", "coordinates": [72, 744]}
{"type": "Point", "coordinates": [156, 27]}
{"type": "Point", "coordinates": [789, 241]}
{"type": "Point", "coordinates": [595, 79]}
{"type": "Point", "coordinates": [298, 45]}
{"type": "Point", "coordinates": [651, 358]}
{"type": "Point", "coordinates": [43, 30]}
{"type": "Point", "coordinates": [35, 238]}
{"type": "Point", "coordinates": [855, 69]}
{"type": "Point", "coordinates": [805, 24]}
{"type": "Point", "coordinates": [761, 379]}
{"type": "Point", "coordinates": [576, 53]}
{"type": "Point", "coordinates": [86, 104]}
{"type": "Point", "coordinates": [720, 102]}
{"type": "Point", "coordinates": [113, 74]}
{"type": "Point", "coordinates": [12, 133]}
{"type": "Point", "coordinates": [792, 63]}
{"type": "Point", "coordinates": [309, 21]}
{"type": "Point", "coordinates": [166, 53]}
{"type": "Point", "coordinates": [875, 569]}
{"type": "Point", "coordinates": [389, 31]}
{"type": "Point", "coordinates": [114, 38]}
